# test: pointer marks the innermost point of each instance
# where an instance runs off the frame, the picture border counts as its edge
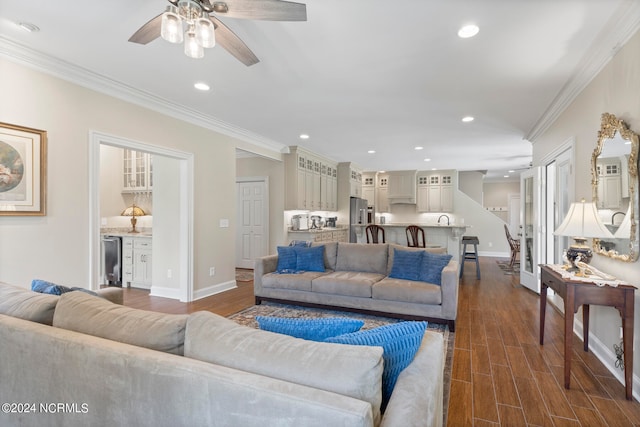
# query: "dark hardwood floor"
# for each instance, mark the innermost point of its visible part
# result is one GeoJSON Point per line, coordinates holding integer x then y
{"type": "Point", "coordinates": [501, 375]}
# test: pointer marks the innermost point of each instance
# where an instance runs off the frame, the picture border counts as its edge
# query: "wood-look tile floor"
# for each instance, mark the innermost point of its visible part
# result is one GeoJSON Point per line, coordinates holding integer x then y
{"type": "Point", "coordinates": [501, 375]}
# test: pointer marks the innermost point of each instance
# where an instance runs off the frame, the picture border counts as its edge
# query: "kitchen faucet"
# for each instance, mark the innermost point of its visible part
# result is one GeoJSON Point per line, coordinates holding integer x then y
{"type": "Point", "coordinates": [614, 215]}
{"type": "Point", "coordinates": [440, 217]}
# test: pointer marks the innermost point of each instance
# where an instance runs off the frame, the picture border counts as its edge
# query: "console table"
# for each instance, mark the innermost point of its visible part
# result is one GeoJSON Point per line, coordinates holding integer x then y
{"type": "Point", "coordinates": [576, 293]}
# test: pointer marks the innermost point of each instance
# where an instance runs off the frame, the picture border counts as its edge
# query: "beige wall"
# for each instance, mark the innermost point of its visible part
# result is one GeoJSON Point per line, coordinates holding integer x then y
{"type": "Point", "coordinates": [615, 90]}
{"type": "Point", "coordinates": [55, 247]}
{"type": "Point", "coordinates": [470, 183]}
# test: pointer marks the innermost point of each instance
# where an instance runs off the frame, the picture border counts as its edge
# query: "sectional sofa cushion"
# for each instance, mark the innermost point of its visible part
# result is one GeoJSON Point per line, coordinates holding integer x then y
{"type": "Point", "coordinates": [300, 281]}
{"type": "Point", "coordinates": [348, 283]}
{"type": "Point", "coordinates": [354, 371]}
{"type": "Point", "coordinates": [330, 254]}
{"type": "Point", "coordinates": [400, 341]}
{"type": "Point", "coordinates": [361, 257]}
{"type": "Point", "coordinates": [411, 291]}
{"type": "Point", "coordinates": [310, 329]}
{"type": "Point", "coordinates": [77, 311]}
{"type": "Point", "coordinates": [25, 304]}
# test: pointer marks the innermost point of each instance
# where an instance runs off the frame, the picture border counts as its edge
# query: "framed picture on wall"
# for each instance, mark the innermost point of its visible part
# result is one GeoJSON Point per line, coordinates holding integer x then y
{"type": "Point", "coordinates": [23, 170]}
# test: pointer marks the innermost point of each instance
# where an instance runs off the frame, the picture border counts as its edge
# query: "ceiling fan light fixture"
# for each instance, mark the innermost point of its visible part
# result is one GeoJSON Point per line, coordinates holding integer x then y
{"type": "Point", "coordinates": [192, 48]}
{"type": "Point", "coordinates": [171, 27]}
{"type": "Point", "coordinates": [205, 34]}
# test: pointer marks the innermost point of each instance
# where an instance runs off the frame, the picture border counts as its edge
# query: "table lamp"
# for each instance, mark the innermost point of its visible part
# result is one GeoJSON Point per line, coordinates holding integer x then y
{"type": "Point", "coordinates": [133, 211]}
{"type": "Point", "coordinates": [582, 222]}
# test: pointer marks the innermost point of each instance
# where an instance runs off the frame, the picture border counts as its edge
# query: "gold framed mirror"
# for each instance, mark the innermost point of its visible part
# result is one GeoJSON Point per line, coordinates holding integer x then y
{"type": "Point", "coordinates": [614, 182]}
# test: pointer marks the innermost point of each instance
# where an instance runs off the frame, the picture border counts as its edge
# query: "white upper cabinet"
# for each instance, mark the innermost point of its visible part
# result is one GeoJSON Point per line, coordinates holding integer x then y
{"type": "Point", "coordinates": [402, 187]}
{"type": "Point", "coordinates": [137, 171]}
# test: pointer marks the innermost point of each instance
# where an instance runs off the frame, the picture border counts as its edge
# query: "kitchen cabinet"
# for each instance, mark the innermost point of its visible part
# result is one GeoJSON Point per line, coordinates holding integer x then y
{"type": "Point", "coordinates": [309, 181]}
{"type": "Point", "coordinates": [382, 193]}
{"type": "Point", "coordinates": [137, 171]}
{"type": "Point", "coordinates": [355, 183]}
{"type": "Point", "coordinates": [324, 235]}
{"type": "Point", "coordinates": [435, 193]}
{"type": "Point", "coordinates": [369, 188]}
{"type": "Point", "coordinates": [137, 262]}
{"type": "Point", "coordinates": [402, 187]}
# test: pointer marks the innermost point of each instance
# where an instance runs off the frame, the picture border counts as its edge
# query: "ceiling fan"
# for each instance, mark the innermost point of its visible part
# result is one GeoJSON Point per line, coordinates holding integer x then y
{"type": "Point", "coordinates": [200, 17]}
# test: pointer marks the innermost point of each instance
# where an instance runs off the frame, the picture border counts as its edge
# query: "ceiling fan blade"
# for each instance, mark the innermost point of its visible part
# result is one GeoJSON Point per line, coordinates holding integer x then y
{"type": "Point", "coordinates": [232, 43]}
{"type": "Point", "coordinates": [267, 10]}
{"type": "Point", "coordinates": [148, 32]}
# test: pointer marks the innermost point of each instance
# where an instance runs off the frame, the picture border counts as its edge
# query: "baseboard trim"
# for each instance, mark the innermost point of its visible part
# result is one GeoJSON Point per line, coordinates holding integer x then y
{"type": "Point", "coordinates": [157, 291]}
{"type": "Point", "coordinates": [214, 289]}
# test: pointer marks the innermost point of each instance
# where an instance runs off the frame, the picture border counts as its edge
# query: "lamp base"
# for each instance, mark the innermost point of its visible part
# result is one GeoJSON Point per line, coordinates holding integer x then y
{"type": "Point", "coordinates": [578, 252]}
{"type": "Point", "coordinates": [133, 225]}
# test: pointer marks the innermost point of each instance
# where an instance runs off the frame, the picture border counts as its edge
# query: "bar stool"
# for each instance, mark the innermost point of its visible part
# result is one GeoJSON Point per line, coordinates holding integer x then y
{"type": "Point", "coordinates": [470, 255]}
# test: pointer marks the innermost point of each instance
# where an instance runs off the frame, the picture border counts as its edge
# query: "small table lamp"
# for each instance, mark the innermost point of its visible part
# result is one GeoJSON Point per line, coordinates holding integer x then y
{"type": "Point", "coordinates": [581, 222]}
{"type": "Point", "coordinates": [133, 211]}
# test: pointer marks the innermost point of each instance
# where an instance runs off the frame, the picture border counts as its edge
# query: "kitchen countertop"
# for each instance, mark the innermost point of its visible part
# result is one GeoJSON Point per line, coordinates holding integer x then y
{"type": "Point", "coordinates": [402, 224]}
{"type": "Point", "coordinates": [317, 230]}
{"type": "Point", "coordinates": [125, 233]}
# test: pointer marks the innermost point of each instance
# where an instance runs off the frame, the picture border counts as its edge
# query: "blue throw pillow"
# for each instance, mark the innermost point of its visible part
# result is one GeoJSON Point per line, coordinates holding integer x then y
{"type": "Point", "coordinates": [432, 266]}
{"type": "Point", "coordinates": [310, 259]}
{"type": "Point", "coordinates": [44, 287]}
{"type": "Point", "coordinates": [286, 259]}
{"type": "Point", "coordinates": [400, 342]}
{"type": "Point", "coordinates": [310, 329]}
{"type": "Point", "coordinates": [406, 264]}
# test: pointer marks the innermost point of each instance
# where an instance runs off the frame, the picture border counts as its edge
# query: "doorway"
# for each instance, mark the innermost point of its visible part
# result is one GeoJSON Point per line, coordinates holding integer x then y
{"type": "Point", "coordinates": [179, 284]}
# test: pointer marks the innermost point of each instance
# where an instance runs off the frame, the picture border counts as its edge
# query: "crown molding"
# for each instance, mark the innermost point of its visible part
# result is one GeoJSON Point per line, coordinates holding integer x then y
{"type": "Point", "coordinates": [15, 52]}
{"type": "Point", "coordinates": [624, 23]}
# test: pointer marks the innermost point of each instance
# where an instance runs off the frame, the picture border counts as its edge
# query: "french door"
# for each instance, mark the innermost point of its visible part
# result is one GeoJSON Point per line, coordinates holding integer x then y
{"type": "Point", "coordinates": [531, 183]}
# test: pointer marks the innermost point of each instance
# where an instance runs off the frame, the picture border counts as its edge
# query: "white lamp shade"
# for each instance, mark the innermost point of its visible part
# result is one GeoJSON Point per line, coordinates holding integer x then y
{"type": "Point", "coordinates": [582, 220]}
{"type": "Point", "coordinates": [171, 26]}
{"type": "Point", "coordinates": [205, 34]}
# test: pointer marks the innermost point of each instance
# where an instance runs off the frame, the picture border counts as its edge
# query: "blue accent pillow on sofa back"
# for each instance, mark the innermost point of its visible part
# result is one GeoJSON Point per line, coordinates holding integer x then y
{"type": "Point", "coordinates": [400, 342]}
{"type": "Point", "coordinates": [432, 266]}
{"type": "Point", "coordinates": [406, 264]}
{"type": "Point", "coordinates": [310, 259]}
{"type": "Point", "coordinates": [310, 329]}
{"type": "Point", "coordinates": [286, 259]}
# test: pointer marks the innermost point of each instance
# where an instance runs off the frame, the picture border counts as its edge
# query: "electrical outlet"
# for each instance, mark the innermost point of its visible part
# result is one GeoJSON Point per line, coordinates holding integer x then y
{"type": "Point", "coordinates": [490, 244]}
{"type": "Point", "coordinates": [212, 271]}
{"type": "Point", "coordinates": [169, 274]}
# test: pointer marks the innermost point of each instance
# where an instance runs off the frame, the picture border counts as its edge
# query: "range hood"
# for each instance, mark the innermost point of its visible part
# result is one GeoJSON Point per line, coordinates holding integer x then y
{"type": "Point", "coordinates": [402, 187]}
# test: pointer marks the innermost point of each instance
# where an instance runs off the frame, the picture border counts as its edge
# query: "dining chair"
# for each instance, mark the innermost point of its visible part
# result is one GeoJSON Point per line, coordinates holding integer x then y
{"type": "Point", "coordinates": [375, 234]}
{"type": "Point", "coordinates": [514, 245]}
{"type": "Point", "coordinates": [415, 236]}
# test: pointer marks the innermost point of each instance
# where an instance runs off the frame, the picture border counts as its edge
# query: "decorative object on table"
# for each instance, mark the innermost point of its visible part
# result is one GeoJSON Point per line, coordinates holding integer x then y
{"type": "Point", "coordinates": [133, 211]}
{"type": "Point", "coordinates": [581, 222]}
{"type": "Point", "coordinates": [23, 170]}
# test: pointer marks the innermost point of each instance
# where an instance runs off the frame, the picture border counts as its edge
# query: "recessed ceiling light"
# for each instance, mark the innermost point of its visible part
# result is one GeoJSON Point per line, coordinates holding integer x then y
{"type": "Point", "coordinates": [202, 86]}
{"type": "Point", "coordinates": [468, 31]}
{"type": "Point", "coordinates": [511, 171]}
{"type": "Point", "coordinates": [468, 119]}
{"type": "Point", "coordinates": [371, 151]}
{"type": "Point", "coordinates": [381, 171]}
{"type": "Point", "coordinates": [304, 136]}
{"type": "Point", "coordinates": [427, 160]}
{"type": "Point", "coordinates": [418, 148]}
{"type": "Point", "coordinates": [506, 176]}
{"type": "Point", "coordinates": [27, 26]}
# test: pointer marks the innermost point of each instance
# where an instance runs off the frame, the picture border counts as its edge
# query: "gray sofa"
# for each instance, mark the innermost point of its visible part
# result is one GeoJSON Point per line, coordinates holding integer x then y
{"type": "Point", "coordinates": [357, 279]}
{"type": "Point", "coordinates": [97, 363]}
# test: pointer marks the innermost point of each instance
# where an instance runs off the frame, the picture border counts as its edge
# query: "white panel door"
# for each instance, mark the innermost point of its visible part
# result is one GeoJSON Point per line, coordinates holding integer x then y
{"type": "Point", "coordinates": [530, 239]}
{"type": "Point", "coordinates": [252, 239]}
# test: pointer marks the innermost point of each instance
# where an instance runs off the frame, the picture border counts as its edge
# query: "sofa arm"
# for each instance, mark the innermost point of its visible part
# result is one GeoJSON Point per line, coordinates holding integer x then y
{"type": "Point", "coordinates": [449, 288]}
{"type": "Point", "coordinates": [263, 265]}
{"type": "Point", "coordinates": [113, 294]}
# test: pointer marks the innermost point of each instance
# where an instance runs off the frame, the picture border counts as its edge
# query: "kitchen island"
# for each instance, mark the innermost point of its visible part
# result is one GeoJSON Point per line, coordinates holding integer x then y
{"type": "Point", "coordinates": [447, 236]}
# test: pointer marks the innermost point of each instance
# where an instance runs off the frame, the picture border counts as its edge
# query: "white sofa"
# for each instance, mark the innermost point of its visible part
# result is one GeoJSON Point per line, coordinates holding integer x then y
{"type": "Point", "coordinates": [356, 278]}
{"type": "Point", "coordinates": [99, 363]}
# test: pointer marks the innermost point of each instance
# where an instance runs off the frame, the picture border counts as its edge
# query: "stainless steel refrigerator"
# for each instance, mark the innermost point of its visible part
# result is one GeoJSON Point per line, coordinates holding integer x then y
{"type": "Point", "coordinates": [357, 215]}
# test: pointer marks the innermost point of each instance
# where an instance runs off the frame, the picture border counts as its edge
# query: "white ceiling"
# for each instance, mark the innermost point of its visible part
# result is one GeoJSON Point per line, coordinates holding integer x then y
{"type": "Point", "coordinates": [358, 75]}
